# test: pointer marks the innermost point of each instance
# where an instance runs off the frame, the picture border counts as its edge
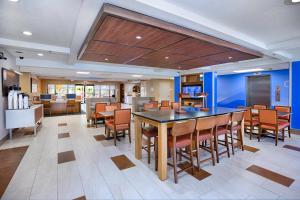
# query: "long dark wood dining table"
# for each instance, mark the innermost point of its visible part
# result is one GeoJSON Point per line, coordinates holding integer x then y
{"type": "Point", "coordinates": [164, 119]}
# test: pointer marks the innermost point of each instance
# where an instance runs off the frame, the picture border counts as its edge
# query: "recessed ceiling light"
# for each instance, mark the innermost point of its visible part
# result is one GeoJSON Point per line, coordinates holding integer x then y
{"type": "Point", "coordinates": [138, 37]}
{"type": "Point", "coordinates": [83, 72]}
{"type": "Point", "coordinates": [14, 1]}
{"type": "Point", "coordinates": [167, 57]}
{"type": "Point", "coordinates": [28, 33]}
{"type": "Point", "coordinates": [248, 70]}
{"type": "Point", "coordinates": [40, 54]}
{"type": "Point", "coordinates": [106, 59]}
{"type": "Point", "coordinates": [295, 1]}
{"type": "Point", "coordinates": [229, 57]}
{"type": "Point", "coordinates": [136, 75]}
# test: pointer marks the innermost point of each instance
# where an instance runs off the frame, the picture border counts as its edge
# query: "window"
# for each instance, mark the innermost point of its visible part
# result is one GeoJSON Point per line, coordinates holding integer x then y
{"type": "Point", "coordinates": [97, 90]}
{"type": "Point", "coordinates": [51, 89]}
{"type": "Point", "coordinates": [61, 90]}
{"type": "Point", "coordinates": [71, 89]}
{"type": "Point", "coordinates": [104, 90]}
{"type": "Point", "coordinates": [112, 91]}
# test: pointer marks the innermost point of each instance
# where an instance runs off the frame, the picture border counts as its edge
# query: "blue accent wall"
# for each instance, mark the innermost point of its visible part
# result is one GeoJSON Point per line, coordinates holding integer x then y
{"type": "Point", "coordinates": [210, 87]}
{"type": "Point", "coordinates": [176, 88]}
{"type": "Point", "coordinates": [296, 95]}
{"type": "Point", "coordinates": [231, 89]}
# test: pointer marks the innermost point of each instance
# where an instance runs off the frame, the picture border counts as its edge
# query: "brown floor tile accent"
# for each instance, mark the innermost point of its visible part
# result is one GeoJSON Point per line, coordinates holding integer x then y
{"type": "Point", "coordinates": [63, 135]}
{"type": "Point", "coordinates": [80, 198]}
{"type": "Point", "coordinates": [251, 149]}
{"type": "Point", "coordinates": [268, 174]}
{"type": "Point", "coordinates": [198, 174]}
{"type": "Point", "coordinates": [66, 156]}
{"type": "Point", "coordinates": [296, 132]}
{"type": "Point", "coordinates": [122, 162]}
{"type": "Point", "coordinates": [10, 160]}
{"type": "Point", "coordinates": [62, 124]}
{"type": "Point", "coordinates": [292, 147]}
{"type": "Point", "coordinates": [99, 137]}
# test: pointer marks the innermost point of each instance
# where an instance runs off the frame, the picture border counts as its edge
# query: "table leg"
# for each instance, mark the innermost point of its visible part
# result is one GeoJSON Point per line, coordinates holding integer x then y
{"type": "Point", "coordinates": [138, 138]}
{"type": "Point", "coordinates": [10, 134]}
{"type": "Point", "coordinates": [162, 151]}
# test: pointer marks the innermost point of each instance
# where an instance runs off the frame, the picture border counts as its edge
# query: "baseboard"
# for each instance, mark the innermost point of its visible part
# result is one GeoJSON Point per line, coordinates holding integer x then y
{"type": "Point", "coordinates": [4, 139]}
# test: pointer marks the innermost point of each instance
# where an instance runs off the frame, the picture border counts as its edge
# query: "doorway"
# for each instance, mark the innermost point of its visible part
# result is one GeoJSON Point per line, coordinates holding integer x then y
{"type": "Point", "coordinates": [259, 90]}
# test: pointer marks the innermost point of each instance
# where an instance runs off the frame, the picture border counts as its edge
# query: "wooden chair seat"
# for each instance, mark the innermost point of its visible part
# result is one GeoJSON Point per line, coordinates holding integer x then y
{"type": "Point", "coordinates": [203, 135]}
{"type": "Point", "coordinates": [181, 141]}
{"type": "Point", "coordinates": [119, 127]}
{"type": "Point", "coordinates": [281, 125]}
{"type": "Point", "coordinates": [221, 130]}
{"type": "Point", "coordinates": [150, 131]}
{"type": "Point", "coordinates": [254, 123]}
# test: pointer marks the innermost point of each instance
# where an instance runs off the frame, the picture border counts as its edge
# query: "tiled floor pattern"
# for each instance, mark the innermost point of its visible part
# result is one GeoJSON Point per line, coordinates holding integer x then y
{"type": "Point", "coordinates": [94, 175]}
{"type": "Point", "coordinates": [63, 135]}
{"type": "Point", "coordinates": [292, 147]}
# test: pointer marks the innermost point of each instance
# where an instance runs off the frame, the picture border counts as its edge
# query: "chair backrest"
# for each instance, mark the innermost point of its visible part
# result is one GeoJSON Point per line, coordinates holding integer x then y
{"type": "Point", "coordinates": [283, 109]}
{"type": "Point", "coordinates": [117, 104]}
{"type": "Point", "coordinates": [258, 107]}
{"type": "Point", "coordinates": [71, 102]}
{"type": "Point", "coordinates": [248, 114]}
{"type": "Point", "coordinates": [122, 116]}
{"type": "Point", "coordinates": [198, 105]}
{"type": "Point", "coordinates": [148, 105]}
{"type": "Point", "coordinates": [205, 123]}
{"type": "Point", "coordinates": [165, 103]}
{"type": "Point", "coordinates": [100, 107]}
{"type": "Point", "coordinates": [155, 104]}
{"type": "Point", "coordinates": [78, 98]}
{"type": "Point", "coordinates": [175, 105]}
{"type": "Point", "coordinates": [165, 108]}
{"type": "Point", "coordinates": [183, 128]}
{"type": "Point", "coordinates": [222, 120]}
{"type": "Point", "coordinates": [237, 116]}
{"type": "Point", "coordinates": [267, 116]}
{"type": "Point", "coordinates": [110, 108]}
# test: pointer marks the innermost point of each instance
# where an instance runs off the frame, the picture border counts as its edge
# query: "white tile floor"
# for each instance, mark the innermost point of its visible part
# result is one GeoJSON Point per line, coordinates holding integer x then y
{"type": "Point", "coordinates": [95, 176]}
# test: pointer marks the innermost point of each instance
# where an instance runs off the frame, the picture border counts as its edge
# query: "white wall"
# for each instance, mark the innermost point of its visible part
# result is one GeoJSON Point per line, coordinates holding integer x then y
{"type": "Point", "coordinates": [9, 63]}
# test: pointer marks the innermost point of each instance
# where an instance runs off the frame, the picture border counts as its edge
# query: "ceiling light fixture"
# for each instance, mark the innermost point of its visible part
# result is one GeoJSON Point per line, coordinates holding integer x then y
{"type": "Point", "coordinates": [14, 1]}
{"type": "Point", "coordinates": [40, 54]}
{"type": "Point", "coordinates": [248, 70]}
{"type": "Point", "coordinates": [106, 59]}
{"type": "Point", "coordinates": [138, 37]}
{"type": "Point", "coordinates": [229, 57]}
{"type": "Point", "coordinates": [295, 1]}
{"type": "Point", "coordinates": [136, 75]}
{"type": "Point", "coordinates": [83, 72]}
{"type": "Point", "coordinates": [28, 33]}
{"type": "Point", "coordinates": [167, 57]}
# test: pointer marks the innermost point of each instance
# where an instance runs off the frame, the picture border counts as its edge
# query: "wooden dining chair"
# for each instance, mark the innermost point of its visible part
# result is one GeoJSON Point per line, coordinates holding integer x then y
{"type": "Point", "coordinates": [110, 108]}
{"type": "Point", "coordinates": [165, 103]}
{"type": "Point", "coordinates": [250, 122]}
{"type": "Point", "coordinates": [120, 123]}
{"type": "Point", "coordinates": [150, 132]}
{"type": "Point", "coordinates": [204, 132]}
{"type": "Point", "coordinates": [235, 127]}
{"type": "Point", "coordinates": [70, 105]}
{"type": "Point", "coordinates": [268, 121]}
{"type": "Point", "coordinates": [221, 128]}
{"type": "Point", "coordinates": [259, 107]}
{"type": "Point", "coordinates": [174, 105]}
{"type": "Point", "coordinates": [287, 118]}
{"type": "Point", "coordinates": [99, 107]}
{"type": "Point", "coordinates": [47, 107]}
{"type": "Point", "coordinates": [148, 105]}
{"type": "Point", "coordinates": [155, 104]}
{"type": "Point", "coordinates": [181, 137]}
{"type": "Point", "coordinates": [117, 104]}
{"type": "Point", "coordinates": [165, 108]}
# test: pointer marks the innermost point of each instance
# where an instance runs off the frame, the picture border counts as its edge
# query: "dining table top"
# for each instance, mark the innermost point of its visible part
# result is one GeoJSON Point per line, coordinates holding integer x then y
{"type": "Point", "coordinates": [189, 113]}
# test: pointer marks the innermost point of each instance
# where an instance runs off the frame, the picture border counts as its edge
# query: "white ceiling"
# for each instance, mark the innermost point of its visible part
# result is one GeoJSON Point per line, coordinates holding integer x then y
{"type": "Point", "coordinates": [59, 28]}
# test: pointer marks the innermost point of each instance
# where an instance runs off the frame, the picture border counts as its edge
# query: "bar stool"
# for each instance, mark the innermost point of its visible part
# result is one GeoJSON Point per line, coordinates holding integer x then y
{"type": "Point", "coordinates": [165, 103]}
{"type": "Point", "coordinates": [181, 137]}
{"type": "Point", "coordinates": [205, 131]}
{"type": "Point", "coordinates": [155, 104]}
{"type": "Point", "coordinates": [47, 107]}
{"type": "Point", "coordinates": [147, 106]}
{"type": "Point", "coordinates": [236, 126]}
{"type": "Point", "coordinates": [222, 122]}
{"type": "Point", "coordinates": [70, 105]}
{"type": "Point", "coordinates": [250, 122]}
{"type": "Point", "coordinates": [150, 132]}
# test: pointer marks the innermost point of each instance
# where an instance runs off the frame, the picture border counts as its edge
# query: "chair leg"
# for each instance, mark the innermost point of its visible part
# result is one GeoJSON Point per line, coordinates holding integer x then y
{"type": "Point", "coordinates": [289, 131]}
{"type": "Point", "coordinates": [227, 145]}
{"type": "Point", "coordinates": [115, 138]}
{"type": "Point", "coordinates": [276, 137]}
{"type": "Point", "coordinates": [156, 152]}
{"type": "Point", "coordinates": [129, 135]}
{"type": "Point", "coordinates": [251, 129]}
{"type": "Point", "coordinates": [198, 154]}
{"type": "Point", "coordinates": [212, 151]}
{"type": "Point", "coordinates": [216, 147]}
{"type": "Point", "coordinates": [148, 148]}
{"type": "Point", "coordinates": [191, 157]}
{"type": "Point", "coordinates": [174, 164]}
{"type": "Point", "coordinates": [241, 138]}
{"type": "Point", "coordinates": [232, 146]}
{"type": "Point", "coordinates": [259, 134]}
{"type": "Point", "coordinates": [283, 133]}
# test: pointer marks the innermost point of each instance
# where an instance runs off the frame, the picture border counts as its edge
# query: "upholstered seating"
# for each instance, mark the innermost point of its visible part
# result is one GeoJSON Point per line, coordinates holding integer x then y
{"type": "Point", "coordinates": [235, 128]}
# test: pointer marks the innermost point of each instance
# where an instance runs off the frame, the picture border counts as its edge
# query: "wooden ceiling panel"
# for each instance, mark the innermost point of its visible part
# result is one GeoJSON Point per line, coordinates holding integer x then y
{"type": "Point", "coordinates": [112, 38]}
{"type": "Point", "coordinates": [120, 31]}
{"type": "Point", "coordinates": [125, 53]}
{"type": "Point", "coordinates": [160, 59]}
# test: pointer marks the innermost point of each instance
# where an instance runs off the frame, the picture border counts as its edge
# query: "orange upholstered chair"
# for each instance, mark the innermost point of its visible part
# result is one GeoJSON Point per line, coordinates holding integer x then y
{"type": "Point", "coordinates": [286, 109]}
{"type": "Point", "coordinates": [268, 121]}
{"type": "Point", "coordinates": [155, 104]}
{"type": "Point", "coordinates": [120, 123]}
{"type": "Point", "coordinates": [147, 106]}
{"type": "Point", "coordinates": [165, 103]}
{"type": "Point", "coordinates": [117, 104]}
{"type": "Point", "coordinates": [166, 108]}
{"type": "Point", "coordinates": [99, 107]}
{"type": "Point", "coordinates": [235, 127]}
{"type": "Point", "coordinates": [182, 137]}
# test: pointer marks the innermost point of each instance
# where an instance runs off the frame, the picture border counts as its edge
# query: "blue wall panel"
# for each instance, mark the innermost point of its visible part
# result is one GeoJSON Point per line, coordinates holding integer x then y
{"type": "Point", "coordinates": [231, 89]}
{"type": "Point", "coordinates": [296, 95]}
{"type": "Point", "coordinates": [176, 88]}
{"type": "Point", "coordinates": [210, 87]}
